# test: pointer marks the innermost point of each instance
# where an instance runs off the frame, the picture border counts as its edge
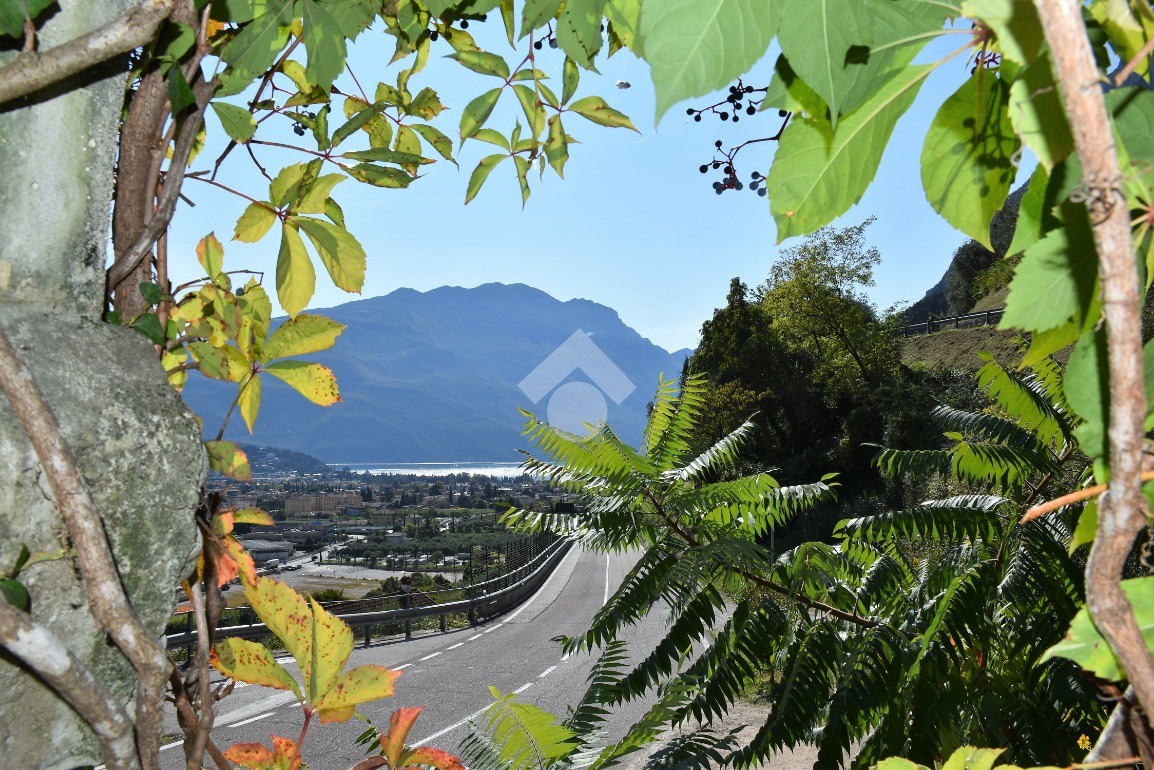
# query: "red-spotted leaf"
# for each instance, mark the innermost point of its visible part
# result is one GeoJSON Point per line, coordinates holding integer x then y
{"type": "Point", "coordinates": [252, 516]}
{"type": "Point", "coordinates": [596, 109]}
{"type": "Point", "coordinates": [315, 382]}
{"type": "Point", "coordinates": [285, 755]}
{"type": "Point", "coordinates": [400, 723]}
{"type": "Point", "coordinates": [227, 458]}
{"type": "Point", "coordinates": [237, 562]}
{"type": "Point", "coordinates": [250, 662]}
{"type": "Point", "coordinates": [361, 685]}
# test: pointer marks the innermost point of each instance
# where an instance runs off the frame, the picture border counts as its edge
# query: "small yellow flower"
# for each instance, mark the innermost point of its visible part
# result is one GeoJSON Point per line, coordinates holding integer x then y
{"type": "Point", "coordinates": [1083, 742]}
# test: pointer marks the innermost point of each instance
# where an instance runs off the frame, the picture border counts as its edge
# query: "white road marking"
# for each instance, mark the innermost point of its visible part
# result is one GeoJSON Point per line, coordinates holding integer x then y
{"type": "Point", "coordinates": [489, 630]}
{"type": "Point", "coordinates": [522, 688]}
{"type": "Point", "coordinates": [533, 598]}
{"type": "Point", "coordinates": [455, 646]}
{"type": "Point", "coordinates": [402, 666]}
{"type": "Point", "coordinates": [427, 657]}
{"type": "Point", "coordinates": [253, 719]}
{"type": "Point", "coordinates": [286, 661]}
{"type": "Point", "coordinates": [547, 672]}
{"type": "Point", "coordinates": [171, 745]}
{"type": "Point", "coordinates": [565, 656]}
{"type": "Point", "coordinates": [605, 600]}
{"type": "Point", "coordinates": [452, 727]}
{"type": "Point", "coordinates": [264, 704]}
{"type": "Point", "coordinates": [475, 636]}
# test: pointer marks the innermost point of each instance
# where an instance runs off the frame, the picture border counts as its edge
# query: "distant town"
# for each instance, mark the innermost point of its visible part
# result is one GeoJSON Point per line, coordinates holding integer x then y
{"type": "Point", "coordinates": [396, 521]}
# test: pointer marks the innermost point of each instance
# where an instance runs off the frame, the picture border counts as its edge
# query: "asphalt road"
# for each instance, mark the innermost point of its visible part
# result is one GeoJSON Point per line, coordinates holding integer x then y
{"type": "Point", "coordinates": [448, 673]}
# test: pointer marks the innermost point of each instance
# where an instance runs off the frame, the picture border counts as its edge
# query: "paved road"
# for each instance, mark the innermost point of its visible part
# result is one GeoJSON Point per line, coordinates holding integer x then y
{"type": "Point", "coordinates": [450, 673]}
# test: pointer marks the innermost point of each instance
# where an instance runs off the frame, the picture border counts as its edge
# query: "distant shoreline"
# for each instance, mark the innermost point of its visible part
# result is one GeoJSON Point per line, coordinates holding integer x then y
{"type": "Point", "coordinates": [482, 468]}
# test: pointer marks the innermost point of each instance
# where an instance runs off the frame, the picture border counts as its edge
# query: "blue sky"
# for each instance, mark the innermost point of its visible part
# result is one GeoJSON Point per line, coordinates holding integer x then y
{"type": "Point", "coordinates": [634, 225]}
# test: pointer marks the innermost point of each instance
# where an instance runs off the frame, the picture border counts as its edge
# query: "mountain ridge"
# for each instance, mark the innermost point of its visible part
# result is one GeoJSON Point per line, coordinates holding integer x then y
{"type": "Point", "coordinates": [432, 376]}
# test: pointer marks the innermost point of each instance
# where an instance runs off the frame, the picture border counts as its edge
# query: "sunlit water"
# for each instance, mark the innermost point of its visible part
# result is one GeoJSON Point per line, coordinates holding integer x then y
{"type": "Point", "coordinates": [496, 470]}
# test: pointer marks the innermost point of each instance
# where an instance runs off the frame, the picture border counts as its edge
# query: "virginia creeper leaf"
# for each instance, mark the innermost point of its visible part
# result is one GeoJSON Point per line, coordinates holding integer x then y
{"type": "Point", "coordinates": [483, 63]}
{"type": "Point", "coordinates": [579, 29]}
{"type": "Point", "coordinates": [813, 179]}
{"type": "Point", "coordinates": [480, 174]}
{"type": "Point", "coordinates": [313, 381]}
{"type": "Point", "coordinates": [1084, 645]}
{"type": "Point", "coordinates": [536, 13]}
{"type": "Point", "coordinates": [301, 335]}
{"type": "Point", "coordinates": [237, 122]}
{"type": "Point", "coordinates": [248, 399]}
{"type": "Point", "coordinates": [340, 252]}
{"type": "Point", "coordinates": [969, 156]}
{"type": "Point", "coordinates": [1037, 113]}
{"type": "Point", "coordinates": [250, 662]}
{"type": "Point", "coordinates": [360, 685]}
{"type": "Point", "coordinates": [477, 112]}
{"type": "Point", "coordinates": [210, 254]}
{"type": "Point", "coordinates": [594, 108]}
{"type": "Point", "coordinates": [295, 277]}
{"type": "Point", "coordinates": [697, 46]}
{"type": "Point", "coordinates": [226, 458]}
{"type": "Point", "coordinates": [255, 222]}
{"type": "Point", "coordinates": [1015, 24]}
{"type": "Point", "coordinates": [439, 142]}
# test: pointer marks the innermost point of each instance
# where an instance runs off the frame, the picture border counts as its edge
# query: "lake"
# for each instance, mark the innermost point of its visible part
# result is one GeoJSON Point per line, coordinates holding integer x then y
{"type": "Point", "coordinates": [497, 470]}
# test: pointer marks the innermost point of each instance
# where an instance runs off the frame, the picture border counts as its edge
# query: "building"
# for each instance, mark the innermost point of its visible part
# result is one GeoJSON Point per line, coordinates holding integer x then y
{"type": "Point", "coordinates": [262, 551]}
{"type": "Point", "coordinates": [325, 503]}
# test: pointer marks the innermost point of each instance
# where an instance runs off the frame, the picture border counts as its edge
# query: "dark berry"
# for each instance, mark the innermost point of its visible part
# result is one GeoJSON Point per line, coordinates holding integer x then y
{"type": "Point", "coordinates": [755, 175]}
{"type": "Point", "coordinates": [697, 118]}
{"type": "Point", "coordinates": [751, 110]}
{"type": "Point", "coordinates": [736, 118]}
{"type": "Point", "coordinates": [725, 116]}
{"type": "Point", "coordinates": [761, 192]}
{"type": "Point", "coordinates": [464, 23]}
{"type": "Point", "coordinates": [537, 45]}
{"type": "Point", "coordinates": [719, 189]}
{"type": "Point", "coordinates": [552, 42]}
{"type": "Point", "coordinates": [717, 144]}
{"type": "Point", "coordinates": [739, 185]}
{"type": "Point", "coordinates": [716, 165]}
{"type": "Point", "coordinates": [749, 89]}
{"type": "Point", "coordinates": [434, 35]}
{"type": "Point", "coordinates": [689, 111]}
{"type": "Point", "coordinates": [782, 113]}
{"type": "Point", "coordinates": [240, 292]}
{"type": "Point", "coordinates": [703, 168]}
{"type": "Point", "coordinates": [753, 185]}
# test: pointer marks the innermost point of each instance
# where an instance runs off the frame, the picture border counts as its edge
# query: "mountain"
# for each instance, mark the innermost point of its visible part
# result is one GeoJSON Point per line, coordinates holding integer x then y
{"type": "Point", "coordinates": [433, 376]}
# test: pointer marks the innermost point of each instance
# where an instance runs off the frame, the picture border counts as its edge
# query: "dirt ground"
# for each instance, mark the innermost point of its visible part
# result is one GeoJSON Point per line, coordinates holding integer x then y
{"type": "Point", "coordinates": [355, 581]}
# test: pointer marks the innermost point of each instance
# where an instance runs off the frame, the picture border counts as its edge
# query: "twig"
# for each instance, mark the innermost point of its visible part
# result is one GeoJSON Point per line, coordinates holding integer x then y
{"type": "Point", "coordinates": [1070, 498]}
{"type": "Point", "coordinates": [1123, 513]}
{"type": "Point", "coordinates": [190, 723]}
{"type": "Point", "coordinates": [1144, 55]}
{"type": "Point", "coordinates": [203, 690]}
{"type": "Point", "coordinates": [43, 652]}
{"type": "Point", "coordinates": [33, 70]}
{"type": "Point", "coordinates": [106, 598]}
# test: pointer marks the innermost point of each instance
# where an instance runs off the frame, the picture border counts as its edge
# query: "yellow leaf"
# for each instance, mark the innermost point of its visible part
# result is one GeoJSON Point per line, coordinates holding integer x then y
{"type": "Point", "coordinates": [313, 381]}
{"type": "Point", "coordinates": [361, 685]}
{"type": "Point", "coordinates": [341, 253]}
{"type": "Point", "coordinates": [250, 662]}
{"type": "Point", "coordinates": [252, 516]}
{"type": "Point", "coordinates": [313, 201]}
{"type": "Point", "coordinates": [255, 222]}
{"type": "Point", "coordinates": [227, 458]}
{"type": "Point", "coordinates": [241, 560]}
{"type": "Point", "coordinates": [249, 400]}
{"type": "Point", "coordinates": [210, 254]}
{"type": "Point", "coordinates": [300, 335]}
{"type": "Point", "coordinates": [295, 278]}
{"type": "Point", "coordinates": [172, 360]}
{"type": "Point", "coordinates": [320, 642]}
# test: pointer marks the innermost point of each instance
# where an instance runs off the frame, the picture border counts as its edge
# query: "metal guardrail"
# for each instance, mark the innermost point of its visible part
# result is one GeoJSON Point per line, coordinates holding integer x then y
{"type": "Point", "coordinates": [970, 320]}
{"type": "Point", "coordinates": [483, 600]}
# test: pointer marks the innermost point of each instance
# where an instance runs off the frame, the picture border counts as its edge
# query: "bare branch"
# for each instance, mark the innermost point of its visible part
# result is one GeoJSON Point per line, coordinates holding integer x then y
{"type": "Point", "coordinates": [106, 598]}
{"type": "Point", "coordinates": [32, 70]}
{"type": "Point", "coordinates": [43, 652]}
{"type": "Point", "coordinates": [1122, 512]}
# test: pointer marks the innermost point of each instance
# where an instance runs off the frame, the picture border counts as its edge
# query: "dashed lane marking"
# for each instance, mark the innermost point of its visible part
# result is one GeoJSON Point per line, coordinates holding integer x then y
{"type": "Point", "coordinates": [547, 672]}
{"type": "Point", "coordinates": [455, 646]}
{"type": "Point", "coordinates": [253, 719]}
{"type": "Point", "coordinates": [522, 688]}
{"type": "Point", "coordinates": [427, 657]}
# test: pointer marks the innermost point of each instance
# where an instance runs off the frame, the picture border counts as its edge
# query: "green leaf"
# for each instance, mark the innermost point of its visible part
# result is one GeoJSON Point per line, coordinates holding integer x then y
{"type": "Point", "coordinates": [379, 176]}
{"type": "Point", "coordinates": [968, 758]}
{"type": "Point", "coordinates": [313, 381]}
{"type": "Point", "coordinates": [1037, 114]}
{"type": "Point", "coordinates": [536, 13]}
{"type": "Point", "coordinates": [477, 112]}
{"type": "Point", "coordinates": [359, 119]}
{"type": "Point", "coordinates": [384, 155]}
{"type": "Point", "coordinates": [214, 362]}
{"type": "Point", "coordinates": [1087, 390]}
{"type": "Point", "coordinates": [341, 253]}
{"type": "Point", "coordinates": [313, 201]}
{"type": "Point", "coordinates": [625, 16]}
{"type": "Point", "coordinates": [483, 63]}
{"type": "Point", "coordinates": [226, 458]}
{"type": "Point", "coordinates": [557, 146]}
{"type": "Point", "coordinates": [210, 254]}
{"type": "Point", "coordinates": [237, 122]}
{"type": "Point", "coordinates": [1084, 645]}
{"type": "Point", "coordinates": [522, 177]}
{"type": "Point", "coordinates": [1127, 34]}
{"type": "Point", "coordinates": [817, 37]}
{"type": "Point", "coordinates": [13, 592]}
{"type": "Point", "coordinates": [534, 111]}
{"type": "Point", "coordinates": [494, 137]}
{"type": "Point", "coordinates": [255, 47]}
{"type": "Point", "coordinates": [1087, 528]}
{"type": "Point", "coordinates": [283, 187]}
{"type": "Point", "coordinates": [1014, 22]}
{"type": "Point", "coordinates": [149, 325]}
{"type": "Point", "coordinates": [152, 292]}
{"type": "Point", "coordinates": [695, 47]}
{"type": "Point", "coordinates": [439, 142]}
{"type": "Point", "coordinates": [295, 278]}
{"type": "Point", "coordinates": [180, 96]}
{"type": "Point", "coordinates": [324, 43]}
{"type": "Point", "coordinates": [1057, 278]}
{"type": "Point", "coordinates": [969, 156]}
{"type": "Point", "coordinates": [408, 142]}
{"type": "Point", "coordinates": [481, 173]}
{"type": "Point", "coordinates": [12, 15]}
{"type": "Point", "coordinates": [579, 29]}
{"type": "Point", "coordinates": [248, 399]}
{"type": "Point", "coordinates": [594, 108]}
{"type": "Point", "coordinates": [570, 77]}
{"type": "Point", "coordinates": [790, 93]}
{"type": "Point", "coordinates": [302, 335]}
{"type": "Point", "coordinates": [255, 222]}
{"type": "Point", "coordinates": [353, 16]}
{"type": "Point", "coordinates": [814, 180]}
{"type": "Point", "coordinates": [426, 104]}
{"type": "Point", "coordinates": [1133, 110]}
{"type": "Point", "coordinates": [1031, 225]}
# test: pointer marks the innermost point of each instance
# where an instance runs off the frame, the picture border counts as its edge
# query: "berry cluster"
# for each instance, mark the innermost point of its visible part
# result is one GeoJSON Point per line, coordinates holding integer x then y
{"type": "Point", "coordinates": [298, 128]}
{"type": "Point", "coordinates": [730, 180]}
{"type": "Point", "coordinates": [738, 101]}
{"type": "Point", "coordinates": [435, 35]}
{"type": "Point", "coordinates": [551, 41]}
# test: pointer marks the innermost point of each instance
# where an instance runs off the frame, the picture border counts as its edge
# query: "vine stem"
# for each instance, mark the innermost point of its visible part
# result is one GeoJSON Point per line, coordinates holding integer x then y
{"type": "Point", "coordinates": [1123, 512]}
{"type": "Point", "coordinates": [106, 599]}
{"type": "Point", "coordinates": [1076, 496]}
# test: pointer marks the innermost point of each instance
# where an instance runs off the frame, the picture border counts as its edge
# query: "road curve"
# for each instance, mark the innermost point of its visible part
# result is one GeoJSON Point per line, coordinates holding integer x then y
{"type": "Point", "coordinates": [449, 673]}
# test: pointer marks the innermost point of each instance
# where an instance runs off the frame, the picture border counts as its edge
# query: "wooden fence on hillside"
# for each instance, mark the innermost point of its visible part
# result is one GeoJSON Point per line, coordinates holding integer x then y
{"type": "Point", "coordinates": [970, 320]}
